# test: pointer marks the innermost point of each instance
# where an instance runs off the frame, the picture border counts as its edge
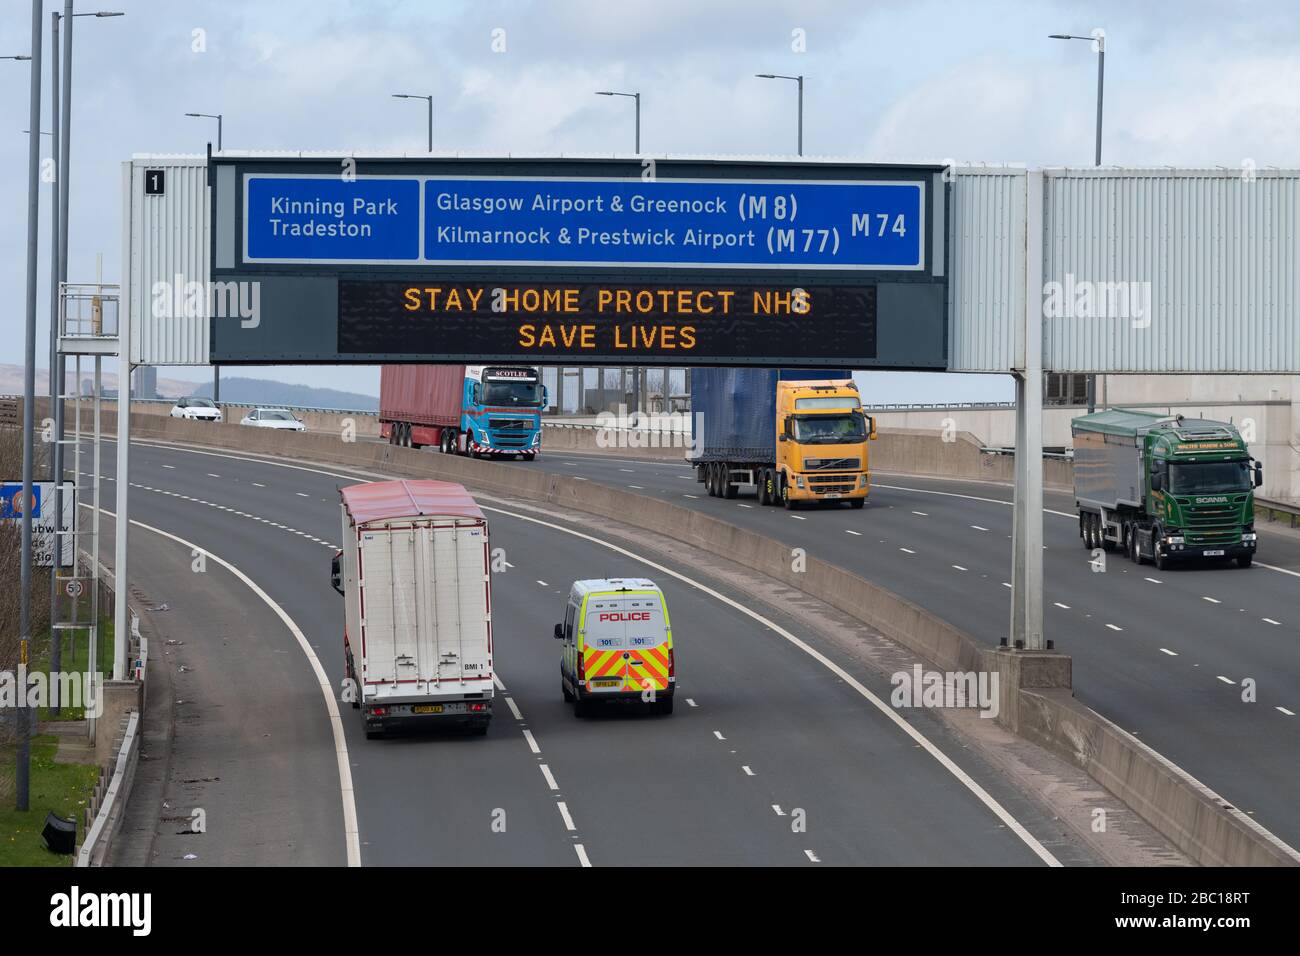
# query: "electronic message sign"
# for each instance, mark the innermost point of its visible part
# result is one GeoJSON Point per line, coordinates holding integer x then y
{"type": "Point", "coordinates": [581, 262]}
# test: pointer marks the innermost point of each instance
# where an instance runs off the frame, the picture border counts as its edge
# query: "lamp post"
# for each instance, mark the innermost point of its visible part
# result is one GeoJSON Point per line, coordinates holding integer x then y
{"type": "Point", "coordinates": [1098, 38]}
{"type": "Point", "coordinates": [428, 101]}
{"type": "Point", "coordinates": [798, 79]}
{"type": "Point", "coordinates": [215, 116]}
{"type": "Point", "coordinates": [632, 96]}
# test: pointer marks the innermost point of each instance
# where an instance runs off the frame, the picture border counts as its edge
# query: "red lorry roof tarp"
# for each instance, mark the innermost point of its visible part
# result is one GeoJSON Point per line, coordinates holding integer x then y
{"type": "Point", "coordinates": [378, 500]}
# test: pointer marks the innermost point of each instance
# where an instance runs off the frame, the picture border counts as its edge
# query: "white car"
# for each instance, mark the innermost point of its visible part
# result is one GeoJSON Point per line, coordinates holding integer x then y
{"type": "Point", "coordinates": [273, 418]}
{"type": "Point", "coordinates": [196, 409]}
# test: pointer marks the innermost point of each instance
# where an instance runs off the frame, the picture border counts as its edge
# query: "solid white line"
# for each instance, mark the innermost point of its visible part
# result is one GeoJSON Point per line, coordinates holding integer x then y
{"type": "Point", "coordinates": [550, 778]}
{"type": "Point", "coordinates": [564, 812]}
{"type": "Point", "coordinates": [1115, 627]}
{"type": "Point", "coordinates": [959, 567]}
{"type": "Point", "coordinates": [889, 713]}
{"type": "Point", "coordinates": [1269, 620]}
{"type": "Point", "coordinates": [582, 854]}
{"type": "Point", "coordinates": [514, 708]}
{"type": "Point", "coordinates": [1289, 713]}
{"type": "Point", "coordinates": [1225, 679]}
{"type": "Point", "coordinates": [1166, 650]}
{"type": "Point", "coordinates": [351, 835]}
{"type": "Point", "coordinates": [532, 744]}
{"type": "Point", "coordinates": [903, 726]}
{"type": "Point", "coordinates": [1274, 567]}
{"type": "Point", "coordinates": [812, 857]}
{"type": "Point", "coordinates": [856, 533]}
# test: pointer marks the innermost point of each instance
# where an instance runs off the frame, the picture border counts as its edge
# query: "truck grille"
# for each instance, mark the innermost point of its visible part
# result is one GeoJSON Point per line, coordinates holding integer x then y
{"type": "Point", "coordinates": [511, 432]}
{"type": "Point", "coordinates": [510, 424]}
{"type": "Point", "coordinates": [1213, 524]}
{"type": "Point", "coordinates": [831, 485]}
{"type": "Point", "coordinates": [831, 464]}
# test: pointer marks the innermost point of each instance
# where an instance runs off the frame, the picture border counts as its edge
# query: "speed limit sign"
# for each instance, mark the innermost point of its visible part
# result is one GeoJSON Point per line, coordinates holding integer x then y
{"type": "Point", "coordinates": [73, 588]}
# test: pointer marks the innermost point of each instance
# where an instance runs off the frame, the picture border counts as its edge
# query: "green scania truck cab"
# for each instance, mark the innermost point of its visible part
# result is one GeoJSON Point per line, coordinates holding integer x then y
{"type": "Point", "coordinates": [1164, 488]}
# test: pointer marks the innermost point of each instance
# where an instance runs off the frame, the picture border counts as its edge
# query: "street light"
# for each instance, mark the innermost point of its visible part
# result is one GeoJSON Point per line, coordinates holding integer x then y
{"type": "Point", "coordinates": [637, 98]}
{"type": "Point", "coordinates": [18, 57]}
{"type": "Point", "coordinates": [1099, 38]}
{"type": "Point", "coordinates": [798, 79]}
{"type": "Point", "coordinates": [215, 116]}
{"type": "Point", "coordinates": [428, 100]}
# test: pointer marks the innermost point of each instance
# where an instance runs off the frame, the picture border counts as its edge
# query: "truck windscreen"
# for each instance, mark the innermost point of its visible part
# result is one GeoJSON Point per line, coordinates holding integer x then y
{"type": "Point", "coordinates": [829, 429]}
{"type": "Point", "coordinates": [512, 393]}
{"type": "Point", "coordinates": [1209, 477]}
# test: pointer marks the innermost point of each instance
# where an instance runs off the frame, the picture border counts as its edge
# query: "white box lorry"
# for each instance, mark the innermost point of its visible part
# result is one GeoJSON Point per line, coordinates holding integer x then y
{"type": "Point", "coordinates": [414, 572]}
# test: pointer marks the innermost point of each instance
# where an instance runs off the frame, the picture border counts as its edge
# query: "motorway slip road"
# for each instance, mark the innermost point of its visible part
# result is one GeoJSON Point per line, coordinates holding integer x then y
{"type": "Point", "coordinates": [1162, 653]}
{"type": "Point", "coordinates": [763, 734]}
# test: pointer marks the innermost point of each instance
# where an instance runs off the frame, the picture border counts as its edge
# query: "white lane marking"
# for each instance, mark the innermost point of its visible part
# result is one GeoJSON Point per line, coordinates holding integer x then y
{"type": "Point", "coordinates": [173, 467]}
{"type": "Point", "coordinates": [497, 682]}
{"type": "Point", "coordinates": [1289, 713]}
{"type": "Point", "coordinates": [1269, 620]}
{"type": "Point", "coordinates": [690, 702]}
{"type": "Point", "coordinates": [1226, 680]}
{"type": "Point", "coordinates": [514, 708]}
{"type": "Point", "coordinates": [1012, 824]}
{"type": "Point", "coordinates": [351, 835]}
{"type": "Point", "coordinates": [812, 857]}
{"type": "Point", "coordinates": [550, 778]}
{"type": "Point", "coordinates": [921, 513]}
{"type": "Point", "coordinates": [1115, 627]}
{"type": "Point", "coordinates": [855, 533]}
{"type": "Point", "coordinates": [1006, 584]}
{"type": "Point", "coordinates": [991, 501]}
{"type": "Point", "coordinates": [959, 567]}
{"type": "Point", "coordinates": [532, 743]}
{"type": "Point", "coordinates": [637, 487]}
{"type": "Point", "coordinates": [798, 517]}
{"type": "Point", "coordinates": [301, 495]}
{"type": "Point", "coordinates": [577, 478]}
{"type": "Point", "coordinates": [564, 812]}
{"type": "Point", "coordinates": [542, 583]}
{"type": "Point", "coordinates": [1064, 607]}
{"type": "Point", "coordinates": [777, 807]}
{"type": "Point", "coordinates": [1274, 567]}
{"type": "Point", "coordinates": [748, 772]}
{"type": "Point", "coordinates": [582, 854]}
{"type": "Point", "coordinates": [907, 550]}
{"type": "Point", "coordinates": [906, 728]}
{"type": "Point", "coordinates": [1211, 600]}
{"type": "Point", "coordinates": [739, 505]}
{"type": "Point", "coordinates": [696, 497]}
{"type": "Point", "coordinates": [630, 471]}
{"type": "Point", "coordinates": [1154, 581]}
{"type": "Point", "coordinates": [718, 734]}
{"type": "Point", "coordinates": [211, 475]}
{"type": "Point", "coordinates": [258, 484]}
{"type": "Point", "coordinates": [1165, 650]}
{"type": "Point", "coordinates": [978, 528]}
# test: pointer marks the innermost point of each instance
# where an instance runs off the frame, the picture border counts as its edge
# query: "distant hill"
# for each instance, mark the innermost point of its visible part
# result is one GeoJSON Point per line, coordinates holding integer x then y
{"type": "Point", "coordinates": [256, 391]}
{"type": "Point", "coordinates": [11, 380]}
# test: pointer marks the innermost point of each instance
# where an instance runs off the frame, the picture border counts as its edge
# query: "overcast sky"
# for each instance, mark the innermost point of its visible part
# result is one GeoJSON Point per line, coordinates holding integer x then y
{"type": "Point", "coordinates": [1187, 83]}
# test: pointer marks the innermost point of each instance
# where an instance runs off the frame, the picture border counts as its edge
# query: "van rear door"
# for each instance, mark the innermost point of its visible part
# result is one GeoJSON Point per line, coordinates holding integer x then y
{"type": "Point", "coordinates": [625, 646]}
{"type": "Point", "coordinates": [646, 636]}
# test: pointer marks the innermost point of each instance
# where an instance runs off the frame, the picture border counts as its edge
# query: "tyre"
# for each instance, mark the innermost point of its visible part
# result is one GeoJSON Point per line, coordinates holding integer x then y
{"type": "Point", "coordinates": [581, 708]}
{"type": "Point", "coordinates": [564, 689]}
{"type": "Point", "coordinates": [711, 480]}
{"type": "Point", "coordinates": [1160, 560]}
{"type": "Point", "coordinates": [762, 487]}
{"type": "Point", "coordinates": [857, 504]}
{"type": "Point", "coordinates": [728, 487]}
{"type": "Point", "coordinates": [661, 708]}
{"type": "Point", "coordinates": [790, 503]}
{"type": "Point", "coordinates": [373, 734]}
{"type": "Point", "coordinates": [1244, 560]}
{"type": "Point", "coordinates": [479, 729]}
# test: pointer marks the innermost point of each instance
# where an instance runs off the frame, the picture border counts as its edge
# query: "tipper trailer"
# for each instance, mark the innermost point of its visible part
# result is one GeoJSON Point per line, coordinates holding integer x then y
{"type": "Point", "coordinates": [1164, 488]}
{"type": "Point", "coordinates": [414, 573]}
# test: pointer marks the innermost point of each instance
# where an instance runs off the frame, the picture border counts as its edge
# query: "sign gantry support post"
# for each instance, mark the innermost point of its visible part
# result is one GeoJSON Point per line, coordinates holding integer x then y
{"type": "Point", "coordinates": [1027, 513]}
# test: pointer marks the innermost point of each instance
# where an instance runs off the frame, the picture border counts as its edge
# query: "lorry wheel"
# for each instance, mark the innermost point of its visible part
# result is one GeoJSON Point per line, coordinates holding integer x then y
{"type": "Point", "coordinates": [479, 729]}
{"type": "Point", "coordinates": [729, 488]}
{"type": "Point", "coordinates": [711, 480]}
{"type": "Point", "coordinates": [762, 487]}
{"type": "Point", "coordinates": [661, 708]}
{"type": "Point", "coordinates": [857, 503]}
{"type": "Point", "coordinates": [581, 708]}
{"type": "Point", "coordinates": [790, 503]}
{"type": "Point", "coordinates": [1244, 560]}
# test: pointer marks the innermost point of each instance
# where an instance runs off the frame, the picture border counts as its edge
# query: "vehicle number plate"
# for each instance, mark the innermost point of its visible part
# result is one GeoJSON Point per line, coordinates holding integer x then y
{"type": "Point", "coordinates": [833, 494]}
{"type": "Point", "coordinates": [606, 683]}
{"type": "Point", "coordinates": [427, 709]}
{"type": "Point", "coordinates": [1217, 553]}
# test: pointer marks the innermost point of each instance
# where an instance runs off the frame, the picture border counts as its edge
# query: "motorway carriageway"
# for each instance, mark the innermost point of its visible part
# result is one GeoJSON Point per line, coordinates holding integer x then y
{"type": "Point", "coordinates": [762, 731]}
{"type": "Point", "coordinates": [1161, 653]}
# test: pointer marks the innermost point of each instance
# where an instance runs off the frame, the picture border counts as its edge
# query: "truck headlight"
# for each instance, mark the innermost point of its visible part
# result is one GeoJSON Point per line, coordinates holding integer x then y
{"type": "Point", "coordinates": [798, 481]}
{"type": "Point", "coordinates": [1173, 539]}
{"type": "Point", "coordinates": [1248, 536]}
{"type": "Point", "coordinates": [862, 482]}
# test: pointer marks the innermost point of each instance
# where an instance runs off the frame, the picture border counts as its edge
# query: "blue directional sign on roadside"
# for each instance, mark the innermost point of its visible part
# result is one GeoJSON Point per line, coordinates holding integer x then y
{"type": "Point", "coordinates": [331, 219]}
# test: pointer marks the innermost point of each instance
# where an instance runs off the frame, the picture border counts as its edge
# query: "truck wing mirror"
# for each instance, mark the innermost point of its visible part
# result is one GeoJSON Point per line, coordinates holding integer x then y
{"type": "Point", "coordinates": [1156, 483]}
{"type": "Point", "coordinates": [559, 632]}
{"type": "Point", "coordinates": [1259, 474]}
{"type": "Point", "coordinates": [781, 437]}
{"type": "Point", "coordinates": [336, 572]}
{"type": "Point", "coordinates": [871, 427]}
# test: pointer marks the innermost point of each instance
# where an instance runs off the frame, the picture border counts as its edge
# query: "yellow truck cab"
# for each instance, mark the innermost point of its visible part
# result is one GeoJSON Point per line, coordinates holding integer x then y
{"type": "Point", "coordinates": [618, 645]}
{"type": "Point", "coordinates": [821, 442]}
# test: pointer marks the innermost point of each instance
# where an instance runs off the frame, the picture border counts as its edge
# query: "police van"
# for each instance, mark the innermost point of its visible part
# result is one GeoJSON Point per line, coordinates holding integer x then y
{"type": "Point", "coordinates": [618, 645]}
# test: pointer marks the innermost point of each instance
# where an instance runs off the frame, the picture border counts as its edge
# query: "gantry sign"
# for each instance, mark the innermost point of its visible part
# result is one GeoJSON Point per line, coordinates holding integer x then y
{"type": "Point", "coordinates": [591, 261]}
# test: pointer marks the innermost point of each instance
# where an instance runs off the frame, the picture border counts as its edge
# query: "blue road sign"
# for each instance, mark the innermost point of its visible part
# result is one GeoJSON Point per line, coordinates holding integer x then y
{"type": "Point", "coordinates": [681, 223]}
